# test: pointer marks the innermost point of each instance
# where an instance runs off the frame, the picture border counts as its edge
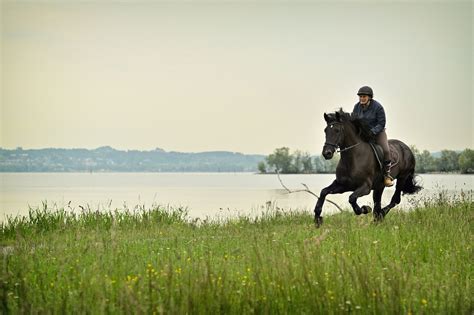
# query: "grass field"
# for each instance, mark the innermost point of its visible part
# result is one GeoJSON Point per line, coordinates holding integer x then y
{"type": "Point", "coordinates": [158, 261]}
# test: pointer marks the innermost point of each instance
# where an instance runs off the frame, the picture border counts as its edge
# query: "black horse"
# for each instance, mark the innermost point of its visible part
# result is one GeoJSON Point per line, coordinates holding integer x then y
{"type": "Point", "coordinates": [359, 169]}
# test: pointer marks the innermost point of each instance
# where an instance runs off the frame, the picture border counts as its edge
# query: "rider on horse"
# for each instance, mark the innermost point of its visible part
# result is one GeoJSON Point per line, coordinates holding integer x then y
{"type": "Point", "coordinates": [372, 112]}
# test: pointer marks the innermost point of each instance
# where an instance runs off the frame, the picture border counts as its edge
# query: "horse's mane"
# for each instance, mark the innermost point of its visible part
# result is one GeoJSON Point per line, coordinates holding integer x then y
{"type": "Point", "coordinates": [360, 125]}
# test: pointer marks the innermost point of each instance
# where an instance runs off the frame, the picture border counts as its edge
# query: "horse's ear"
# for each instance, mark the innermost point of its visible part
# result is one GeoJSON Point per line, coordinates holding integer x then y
{"type": "Point", "coordinates": [326, 117]}
{"type": "Point", "coordinates": [338, 116]}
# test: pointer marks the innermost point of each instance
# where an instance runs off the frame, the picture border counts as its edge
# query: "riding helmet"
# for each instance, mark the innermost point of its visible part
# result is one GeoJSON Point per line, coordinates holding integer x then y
{"type": "Point", "coordinates": [366, 90]}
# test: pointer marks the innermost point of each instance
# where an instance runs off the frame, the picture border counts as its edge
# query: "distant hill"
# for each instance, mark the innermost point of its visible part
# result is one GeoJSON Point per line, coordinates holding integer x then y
{"type": "Point", "coordinates": [108, 159]}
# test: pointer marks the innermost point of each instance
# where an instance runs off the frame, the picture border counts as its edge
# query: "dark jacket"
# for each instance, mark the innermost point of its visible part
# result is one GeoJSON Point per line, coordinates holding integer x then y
{"type": "Point", "coordinates": [373, 115]}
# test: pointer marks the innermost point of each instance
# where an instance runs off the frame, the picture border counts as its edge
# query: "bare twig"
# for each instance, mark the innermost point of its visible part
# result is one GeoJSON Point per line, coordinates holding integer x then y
{"type": "Point", "coordinates": [305, 190]}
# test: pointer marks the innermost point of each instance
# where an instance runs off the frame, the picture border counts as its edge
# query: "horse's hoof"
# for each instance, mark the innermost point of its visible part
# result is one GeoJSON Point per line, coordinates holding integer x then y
{"type": "Point", "coordinates": [366, 209]}
{"type": "Point", "coordinates": [386, 209]}
{"type": "Point", "coordinates": [378, 216]}
{"type": "Point", "coordinates": [318, 221]}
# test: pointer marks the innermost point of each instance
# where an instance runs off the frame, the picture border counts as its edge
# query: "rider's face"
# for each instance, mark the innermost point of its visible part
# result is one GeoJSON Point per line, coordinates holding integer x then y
{"type": "Point", "coordinates": [364, 99]}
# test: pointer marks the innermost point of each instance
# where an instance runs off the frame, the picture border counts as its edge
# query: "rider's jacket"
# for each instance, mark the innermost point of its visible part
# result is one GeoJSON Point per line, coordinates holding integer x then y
{"type": "Point", "coordinates": [373, 115]}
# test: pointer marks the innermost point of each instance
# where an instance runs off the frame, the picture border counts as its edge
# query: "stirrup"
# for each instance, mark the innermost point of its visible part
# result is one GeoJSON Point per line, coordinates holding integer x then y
{"type": "Point", "coordinates": [388, 180]}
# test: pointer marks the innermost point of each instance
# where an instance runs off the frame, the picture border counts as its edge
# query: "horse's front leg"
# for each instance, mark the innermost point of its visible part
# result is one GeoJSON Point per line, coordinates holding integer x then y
{"type": "Point", "coordinates": [334, 188]}
{"type": "Point", "coordinates": [359, 192]}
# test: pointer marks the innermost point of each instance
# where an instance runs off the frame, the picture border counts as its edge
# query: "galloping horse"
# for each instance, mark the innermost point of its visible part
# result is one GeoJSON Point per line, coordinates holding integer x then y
{"type": "Point", "coordinates": [359, 169]}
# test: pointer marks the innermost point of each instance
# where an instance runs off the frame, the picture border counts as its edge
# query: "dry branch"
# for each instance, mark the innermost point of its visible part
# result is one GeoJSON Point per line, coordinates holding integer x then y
{"type": "Point", "coordinates": [305, 190]}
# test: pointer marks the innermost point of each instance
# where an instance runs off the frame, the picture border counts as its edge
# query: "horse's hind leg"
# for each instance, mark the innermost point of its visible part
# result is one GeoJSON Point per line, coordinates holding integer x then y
{"type": "Point", "coordinates": [377, 196]}
{"type": "Point", "coordinates": [396, 198]}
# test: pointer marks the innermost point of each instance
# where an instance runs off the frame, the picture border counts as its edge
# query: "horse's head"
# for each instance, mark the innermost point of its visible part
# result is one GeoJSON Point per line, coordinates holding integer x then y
{"type": "Point", "coordinates": [334, 134]}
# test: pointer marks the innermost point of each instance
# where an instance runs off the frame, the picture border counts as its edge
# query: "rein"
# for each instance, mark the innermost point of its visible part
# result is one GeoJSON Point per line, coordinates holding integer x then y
{"type": "Point", "coordinates": [348, 148]}
{"type": "Point", "coordinates": [336, 146]}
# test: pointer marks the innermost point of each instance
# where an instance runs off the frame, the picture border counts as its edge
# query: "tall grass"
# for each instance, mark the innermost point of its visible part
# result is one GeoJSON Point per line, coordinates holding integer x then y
{"type": "Point", "coordinates": [158, 261]}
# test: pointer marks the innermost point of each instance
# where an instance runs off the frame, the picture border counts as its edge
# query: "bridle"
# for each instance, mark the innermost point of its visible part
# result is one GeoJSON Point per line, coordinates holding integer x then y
{"type": "Point", "coordinates": [336, 145]}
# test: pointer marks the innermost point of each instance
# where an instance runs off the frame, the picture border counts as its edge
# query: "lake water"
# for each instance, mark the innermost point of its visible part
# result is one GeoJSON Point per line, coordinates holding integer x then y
{"type": "Point", "coordinates": [215, 195]}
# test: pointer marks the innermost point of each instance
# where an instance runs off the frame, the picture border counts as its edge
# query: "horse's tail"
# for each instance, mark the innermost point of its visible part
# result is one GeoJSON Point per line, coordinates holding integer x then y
{"type": "Point", "coordinates": [411, 185]}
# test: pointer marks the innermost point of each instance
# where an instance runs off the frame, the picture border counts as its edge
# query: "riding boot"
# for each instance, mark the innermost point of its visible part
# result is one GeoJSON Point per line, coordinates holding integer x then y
{"type": "Point", "coordinates": [388, 180]}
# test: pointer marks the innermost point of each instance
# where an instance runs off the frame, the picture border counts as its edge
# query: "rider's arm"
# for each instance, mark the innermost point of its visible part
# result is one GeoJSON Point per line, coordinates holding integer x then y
{"type": "Point", "coordinates": [354, 111]}
{"type": "Point", "coordinates": [380, 114]}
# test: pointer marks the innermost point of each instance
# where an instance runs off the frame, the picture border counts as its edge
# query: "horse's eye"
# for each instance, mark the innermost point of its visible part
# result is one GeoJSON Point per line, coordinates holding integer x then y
{"type": "Point", "coordinates": [337, 130]}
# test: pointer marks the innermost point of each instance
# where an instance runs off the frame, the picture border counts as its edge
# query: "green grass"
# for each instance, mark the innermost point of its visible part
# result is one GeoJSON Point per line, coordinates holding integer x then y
{"type": "Point", "coordinates": [158, 261]}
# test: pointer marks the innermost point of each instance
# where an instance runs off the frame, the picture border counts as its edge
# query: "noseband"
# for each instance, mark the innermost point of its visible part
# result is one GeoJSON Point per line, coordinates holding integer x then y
{"type": "Point", "coordinates": [336, 145]}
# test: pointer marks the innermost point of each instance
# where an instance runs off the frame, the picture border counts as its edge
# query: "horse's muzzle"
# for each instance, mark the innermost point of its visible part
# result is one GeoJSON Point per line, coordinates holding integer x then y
{"type": "Point", "coordinates": [328, 152]}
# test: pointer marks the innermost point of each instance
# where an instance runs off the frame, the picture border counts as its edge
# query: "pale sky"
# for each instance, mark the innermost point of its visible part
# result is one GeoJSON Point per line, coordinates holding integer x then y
{"type": "Point", "coordinates": [243, 76]}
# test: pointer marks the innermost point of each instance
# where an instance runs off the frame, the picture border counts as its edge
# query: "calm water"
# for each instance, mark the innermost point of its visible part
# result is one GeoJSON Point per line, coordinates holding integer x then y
{"type": "Point", "coordinates": [204, 194]}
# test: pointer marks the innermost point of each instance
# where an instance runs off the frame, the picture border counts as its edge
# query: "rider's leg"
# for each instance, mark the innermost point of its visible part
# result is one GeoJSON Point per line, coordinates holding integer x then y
{"type": "Point", "coordinates": [383, 141]}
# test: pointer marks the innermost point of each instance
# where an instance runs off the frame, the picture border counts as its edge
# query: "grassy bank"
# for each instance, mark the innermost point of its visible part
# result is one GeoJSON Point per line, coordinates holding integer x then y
{"type": "Point", "coordinates": [156, 261]}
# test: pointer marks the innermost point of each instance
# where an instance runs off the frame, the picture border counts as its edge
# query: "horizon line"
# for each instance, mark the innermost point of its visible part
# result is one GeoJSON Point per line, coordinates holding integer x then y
{"type": "Point", "coordinates": [158, 149]}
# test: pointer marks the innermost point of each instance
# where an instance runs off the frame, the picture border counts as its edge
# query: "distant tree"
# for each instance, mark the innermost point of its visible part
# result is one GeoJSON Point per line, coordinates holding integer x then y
{"type": "Point", "coordinates": [466, 161]}
{"type": "Point", "coordinates": [297, 162]}
{"type": "Point", "coordinates": [425, 162]}
{"type": "Point", "coordinates": [319, 165]}
{"type": "Point", "coordinates": [262, 167]}
{"type": "Point", "coordinates": [332, 163]}
{"type": "Point", "coordinates": [449, 161]}
{"type": "Point", "coordinates": [307, 163]}
{"type": "Point", "coordinates": [280, 160]}
{"type": "Point", "coordinates": [322, 165]}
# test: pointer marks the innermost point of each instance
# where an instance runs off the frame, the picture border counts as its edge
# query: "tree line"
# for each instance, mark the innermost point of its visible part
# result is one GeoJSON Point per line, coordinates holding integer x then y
{"type": "Point", "coordinates": [446, 161]}
{"type": "Point", "coordinates": [299, 162]}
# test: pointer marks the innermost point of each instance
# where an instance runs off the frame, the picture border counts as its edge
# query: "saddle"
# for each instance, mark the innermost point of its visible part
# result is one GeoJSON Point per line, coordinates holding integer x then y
{"type": "Point", "coordinates": [377, 149]}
